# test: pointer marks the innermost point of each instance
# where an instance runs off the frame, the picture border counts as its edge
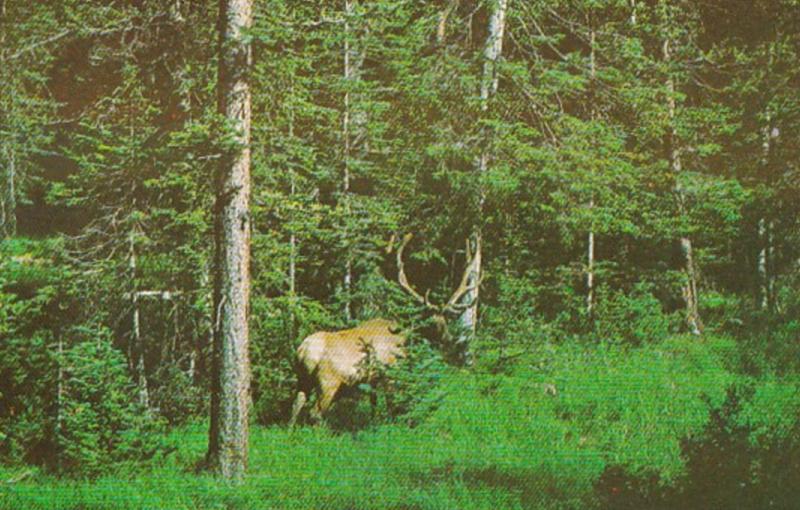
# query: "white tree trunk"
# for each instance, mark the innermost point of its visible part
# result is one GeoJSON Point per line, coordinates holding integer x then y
{"type": "Point", "coordinates": [137, 348]}
{"type": "Point", "coordinates": [8, 200]}
{"type": "Point", "coordinates": [228, 435]}
{"type": "Point", "coordinates": [468, 320]}
{"type": "Point", "coordinates": [690, 293]}
{"type": "Point", "coordinates": [591, 240]}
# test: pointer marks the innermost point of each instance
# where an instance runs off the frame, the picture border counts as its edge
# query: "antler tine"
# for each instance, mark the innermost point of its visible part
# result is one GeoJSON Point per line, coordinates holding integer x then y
{"type": "Point", "coordinates": [403, 279]}
{"type": "Point", "coordinates": [464, 286]}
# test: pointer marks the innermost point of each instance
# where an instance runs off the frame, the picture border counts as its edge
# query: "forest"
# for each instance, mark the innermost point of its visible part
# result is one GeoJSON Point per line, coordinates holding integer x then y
{"type": "Point", "coordinates": [575, 222]}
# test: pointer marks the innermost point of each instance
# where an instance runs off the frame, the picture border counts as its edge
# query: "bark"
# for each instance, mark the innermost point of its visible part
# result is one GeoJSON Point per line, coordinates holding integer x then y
{"type": "Point", "coordinates": [468, 320]}
{"type": "Point", "coordinates": [591, 240]}
{"type": "Point", "coordinates": [8, 217]}
{"type": "Point", "coordinates": [8, 200]}
{"type": "Point", "coordinates": [765, 264]}
{"type": "Point", "coordinates": [763, 297]}
{"type": "Point", "coordinates": [354, 127]}
{"type": "Point", "coordinates": [441, 27]}
{"type": "Point", "coordinates": [348, 71]}
{"type": "Point", "coordinates": [690, 293]}
{"type": "Point", "coordinates": [230, 396]}
{"type": "Point", "coordinates": [292, 235]}
{"type": "Point", "coordinates": [137, 344]}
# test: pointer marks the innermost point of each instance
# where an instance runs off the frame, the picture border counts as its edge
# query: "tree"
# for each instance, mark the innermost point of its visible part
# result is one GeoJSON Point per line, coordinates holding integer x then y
{"type": "Point", "coordinates": [230, 392]}
{"type": "Point", "coordinates": [489, 82]}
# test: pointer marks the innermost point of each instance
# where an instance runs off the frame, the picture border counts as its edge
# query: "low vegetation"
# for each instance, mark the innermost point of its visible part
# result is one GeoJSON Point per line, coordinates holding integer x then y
{"type": "Point", "coordinates": [571, 426]}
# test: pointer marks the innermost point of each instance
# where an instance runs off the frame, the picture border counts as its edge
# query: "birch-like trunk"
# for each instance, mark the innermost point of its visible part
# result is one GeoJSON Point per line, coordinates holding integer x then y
{"type": "Point", "coordinates": [292, 235]}
{"type": "Point", "coordinates": [765, 264]}
{"type": "Point", "coordinates": [690, 294]}
{"type": "Point", "coordinates": [230, 395]}
{"type": "Point", "coordinates": [441, 27]}
{"type": "Point", "coordinates": [8, 200]}
{"type": "Point", "coordinates": [348, 73]}
{"type": "Point", "coordinates": [590, 244]}
{"type": "Point", "coordinates": [137, 344]}
{"type": "Point", "coordinates": [468, 320]}
{"type": "Point", "coordinates": [354, 127]}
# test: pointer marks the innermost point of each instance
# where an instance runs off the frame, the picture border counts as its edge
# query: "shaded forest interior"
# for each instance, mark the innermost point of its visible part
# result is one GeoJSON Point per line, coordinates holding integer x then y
{"type": "Point", "coordinates": [583, 213]}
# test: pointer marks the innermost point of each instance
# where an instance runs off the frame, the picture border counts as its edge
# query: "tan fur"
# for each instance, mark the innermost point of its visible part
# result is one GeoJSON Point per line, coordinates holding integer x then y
{"type": "Point", "coordinates": [336, 359]}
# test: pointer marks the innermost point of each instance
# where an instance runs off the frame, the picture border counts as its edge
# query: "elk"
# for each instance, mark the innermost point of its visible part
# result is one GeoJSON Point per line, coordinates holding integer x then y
{"type": "Point", "coordinates": [327, 361]}
{"type": "Point", "coordinates": [453, 307]}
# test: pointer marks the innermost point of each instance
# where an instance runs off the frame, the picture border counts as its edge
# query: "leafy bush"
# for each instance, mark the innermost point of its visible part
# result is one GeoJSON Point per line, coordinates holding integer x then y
{"type": "Point", "coordinates": [177, 398]}
{"type": "Point", "coordinates": [635, 317]}
{"type": "Point", "coordinates": [278, 327]}
{"type": "Point", "coordinates": [742, 458]}
{"type": "Point", "coordinates": [100, 422]}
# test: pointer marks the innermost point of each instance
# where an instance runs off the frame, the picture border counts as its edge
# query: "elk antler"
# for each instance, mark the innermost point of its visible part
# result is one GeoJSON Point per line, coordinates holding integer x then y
{"type": "Point", "coordinates": [401, 275]}
{"type": "Point", "coordinates": [464, 286]}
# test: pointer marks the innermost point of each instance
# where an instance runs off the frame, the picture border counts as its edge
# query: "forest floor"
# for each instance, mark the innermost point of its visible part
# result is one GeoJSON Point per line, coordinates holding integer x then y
{"type": "Point", "coordinates": [583, 428]}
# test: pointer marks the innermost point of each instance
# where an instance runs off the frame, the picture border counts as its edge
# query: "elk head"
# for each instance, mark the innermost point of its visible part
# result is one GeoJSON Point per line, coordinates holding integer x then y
{"type": "Point", "coordinates": [441, 313]}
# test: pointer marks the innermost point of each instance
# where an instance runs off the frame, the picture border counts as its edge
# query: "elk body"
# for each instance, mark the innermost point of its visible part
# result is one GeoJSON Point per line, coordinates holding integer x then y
{"type": "Point", "coordinates": [328, 361]}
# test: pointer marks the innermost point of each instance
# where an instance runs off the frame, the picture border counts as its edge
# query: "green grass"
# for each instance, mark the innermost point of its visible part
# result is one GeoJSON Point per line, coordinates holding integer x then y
{"type": "Point", "coordinates": [539, 437]}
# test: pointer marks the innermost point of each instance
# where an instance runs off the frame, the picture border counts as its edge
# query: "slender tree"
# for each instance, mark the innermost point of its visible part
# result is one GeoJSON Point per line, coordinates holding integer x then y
{"type": "Point", "coordinates": [489, 83]}
{"type": "Point", "coordinates": [230, 397]}
{"type": "Point", "coordinates": [690, 293]}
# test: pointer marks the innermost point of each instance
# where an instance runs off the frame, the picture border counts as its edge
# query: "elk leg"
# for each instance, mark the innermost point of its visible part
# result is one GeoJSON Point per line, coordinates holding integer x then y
{"type": "Point", "coordinates": [299, 402]}
{"type": "Point", "coordinates": [327, 393]}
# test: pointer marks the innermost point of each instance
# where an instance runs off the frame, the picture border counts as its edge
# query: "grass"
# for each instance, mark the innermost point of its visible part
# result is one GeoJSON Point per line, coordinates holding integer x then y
{"type": "Point", "coordinates": [538, 437]}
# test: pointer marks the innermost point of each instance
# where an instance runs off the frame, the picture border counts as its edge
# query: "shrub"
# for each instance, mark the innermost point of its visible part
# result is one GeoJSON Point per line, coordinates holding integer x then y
{"type": "Point", "coordinates": [100, 422]}
{"type": "Point", "coordinates": [635, 318]}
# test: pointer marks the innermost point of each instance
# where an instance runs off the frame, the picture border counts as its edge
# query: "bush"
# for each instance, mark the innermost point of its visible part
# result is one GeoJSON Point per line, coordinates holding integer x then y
{"type": "Point", "coordinates": [278, 327]}
{"type": "Point", "coordinates": [635, 318]}
{"type": "Point", "coordinates": [100, 422]}
{"type": "Point", "coordinates": [742, 458]}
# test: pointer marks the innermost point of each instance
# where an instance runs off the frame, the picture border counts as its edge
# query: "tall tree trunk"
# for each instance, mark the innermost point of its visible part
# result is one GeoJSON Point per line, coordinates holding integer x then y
{"type": "Point", "coordinates": [468, 320]}
{"type": "Point", "coordinates": [766, 270]}
{"type": "Point", "coordinates": [441, 27]}
{"type": "Point", "coordinates": [348, 74]}
{"type": "Point", "coordinates": [8, 196]}
{"type": "Point", "coordinates": [354, 133]}
{"type": "Point", "coordinates": [763, 236]}
{"type": "Point", "coordinates": [591, 240]}
{"type": "Point", "coordinates": [137, 348]}
{"type": "Point", "coordinates": [690, 294]}
{"type": "Point", "coordinates": [292, 235]}
{"type": "Point", "coordinates": [230, 396]}
{"type": "Point", "coordinates": [8, 200]}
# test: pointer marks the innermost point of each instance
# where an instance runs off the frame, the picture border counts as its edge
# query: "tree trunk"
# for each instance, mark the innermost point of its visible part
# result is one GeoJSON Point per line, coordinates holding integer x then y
{"type": "Point", "coordinates": [441, 27]}
{"type": "Point", "coordinates": [230, 396]}
{"type": "Point", "coordinates": [766, 274]}
{"type": "Point", "coordinates": [591, 240]}
{"type": "Point", "coordinates": [468, 320]}
{"type": "Point", "coordinates": [8, 200]}
{"type": "Point", "coordinates": [354, 126]}
{"type": "Point", "coordinates": [690, 294]}
{"type": "Point", "coordinates": [137, 344]}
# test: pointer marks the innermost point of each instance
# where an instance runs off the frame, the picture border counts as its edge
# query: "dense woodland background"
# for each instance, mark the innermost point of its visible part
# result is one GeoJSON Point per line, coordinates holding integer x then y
{"type": "Point", "coordinates": [628, 169]}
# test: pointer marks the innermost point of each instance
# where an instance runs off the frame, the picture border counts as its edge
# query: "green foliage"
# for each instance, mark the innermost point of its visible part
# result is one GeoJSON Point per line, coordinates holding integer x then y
{"type": "Point", "coordinates": [280, 325]}
{"type": "Point", "coordinates": [634, 317]}
{"type": "Point", "coordinates": [541, 436]}
{"type": "Point", "coordinates": [99, 422]}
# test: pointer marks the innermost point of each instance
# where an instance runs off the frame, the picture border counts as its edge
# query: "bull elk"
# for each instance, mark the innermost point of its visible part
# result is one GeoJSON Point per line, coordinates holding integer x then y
{"type": "Point", "coordinates": [328, 361]}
